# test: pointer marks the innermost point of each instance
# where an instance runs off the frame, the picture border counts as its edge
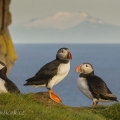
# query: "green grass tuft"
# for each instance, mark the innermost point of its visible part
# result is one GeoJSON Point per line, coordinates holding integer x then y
{"type": "Point", "coordinates": [112, 112]}
{"type": "Point", "coordinates": [40, 107]}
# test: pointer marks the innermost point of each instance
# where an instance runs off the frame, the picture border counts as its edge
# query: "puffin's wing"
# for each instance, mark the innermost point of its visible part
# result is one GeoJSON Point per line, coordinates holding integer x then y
{"type": "Point", "coordinates": [10, 86]}
{"type": "Point", "coordinates": [99, 88]}
{"type": "Point", "coordinates": [44, 74]}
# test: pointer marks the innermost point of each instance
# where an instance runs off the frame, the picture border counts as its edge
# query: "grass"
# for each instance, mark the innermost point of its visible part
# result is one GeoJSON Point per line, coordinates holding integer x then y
{"type": "Point", "coordinates": [40, 107]}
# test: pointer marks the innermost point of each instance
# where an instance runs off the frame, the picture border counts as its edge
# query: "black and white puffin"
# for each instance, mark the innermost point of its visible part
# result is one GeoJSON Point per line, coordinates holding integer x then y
{"type": "Point", "coordinates": [52, 73]}
{"type": "Point", "coordinates": [93, 86]}
{"type": "Point", "coordinates": [6, 85]}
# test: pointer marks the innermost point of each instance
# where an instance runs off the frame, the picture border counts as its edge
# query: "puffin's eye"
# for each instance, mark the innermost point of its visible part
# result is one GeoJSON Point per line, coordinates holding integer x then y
{"type": "Point", "coordinates": [86, 66]}
{"type": "Point", "coordinates": [62, 51]}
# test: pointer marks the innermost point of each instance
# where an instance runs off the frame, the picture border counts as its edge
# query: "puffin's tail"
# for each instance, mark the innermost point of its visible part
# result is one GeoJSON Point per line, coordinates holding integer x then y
{"type": "Point", "coordinates": [29, 81]}
{"type": "Point", "coordinates": [25, 84]}
{"type": "Point", "coordinates": [111, 97]}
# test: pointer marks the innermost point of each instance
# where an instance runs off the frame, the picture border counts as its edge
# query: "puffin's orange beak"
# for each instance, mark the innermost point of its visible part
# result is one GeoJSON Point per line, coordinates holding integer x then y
{"type": "Point", "coordinates": [69, 55]}
{"type": "Point", "coordinates": [78, 68]}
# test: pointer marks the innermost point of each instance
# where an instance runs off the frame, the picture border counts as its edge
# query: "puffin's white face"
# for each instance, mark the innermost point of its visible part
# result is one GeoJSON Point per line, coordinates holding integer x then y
{"type": "Point", "coordinates": [84, 68]}
{"type": "Point", "coordinates": [64, 53]}
{"type": "Point", "coordinates": [1, 66]}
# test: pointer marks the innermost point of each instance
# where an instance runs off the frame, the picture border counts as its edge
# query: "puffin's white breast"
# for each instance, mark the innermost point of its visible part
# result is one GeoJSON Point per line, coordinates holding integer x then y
{"type": "Point", "coordinates": [82, 84]}
{"type": "Point", "coordinates": [62, 72]}
{"type": "Point", "coordinates": [2, 86]}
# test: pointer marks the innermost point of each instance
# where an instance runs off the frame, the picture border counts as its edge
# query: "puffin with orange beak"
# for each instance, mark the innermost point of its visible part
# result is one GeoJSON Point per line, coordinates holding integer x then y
{"type": "Point", "coordinates": [93, 86]}
{"type": "Point", "coordinates": [52, 73]}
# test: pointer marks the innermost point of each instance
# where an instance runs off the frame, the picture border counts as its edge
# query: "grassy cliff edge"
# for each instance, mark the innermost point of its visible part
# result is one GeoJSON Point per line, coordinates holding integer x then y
{"type": "Point", "coordinates": [40, 107]}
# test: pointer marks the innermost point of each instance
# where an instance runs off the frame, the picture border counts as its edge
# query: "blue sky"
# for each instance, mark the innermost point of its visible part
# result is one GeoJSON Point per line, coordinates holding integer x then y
{"type": "Point", "coordinates": [63, 14]}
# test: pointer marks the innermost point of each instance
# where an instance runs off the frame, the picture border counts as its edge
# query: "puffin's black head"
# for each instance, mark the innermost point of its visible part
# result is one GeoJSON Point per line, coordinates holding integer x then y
{"type": "Point", "coordinates": [64, 54]}
{"type": "Point", "coordinates": [85, 68]}
{"type": "Point", "coordinates": [3, 68]}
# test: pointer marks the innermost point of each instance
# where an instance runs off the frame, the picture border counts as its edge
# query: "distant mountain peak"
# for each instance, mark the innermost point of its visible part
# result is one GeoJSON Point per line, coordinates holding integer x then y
{"type": "Point", "coordinates": [62, 20]}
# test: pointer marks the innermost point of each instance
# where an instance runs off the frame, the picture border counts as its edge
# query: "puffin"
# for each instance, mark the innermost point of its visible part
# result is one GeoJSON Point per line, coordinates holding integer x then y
{"type": "Point", "coordinates": [93, 86]}
{"type": "Point", "coordinates": [6, 85]}
{"type": "Point", "coordinates": [52, 73]}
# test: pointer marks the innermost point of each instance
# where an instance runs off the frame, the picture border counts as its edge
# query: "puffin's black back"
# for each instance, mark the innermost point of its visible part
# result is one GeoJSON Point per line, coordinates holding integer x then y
{"type": "Point", "coordinates": [11, 87]}
{"type": "Point", "coordinates": [99, 88]}
{"type": "Point", "coordinates": [47, 72]}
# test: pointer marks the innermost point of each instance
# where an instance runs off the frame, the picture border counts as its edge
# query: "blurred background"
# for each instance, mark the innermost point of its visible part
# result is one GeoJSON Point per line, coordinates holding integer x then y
{"type": "Point", "coordinates": [31, 32]}
{"type": "Point", "coordinates": [65, 21]}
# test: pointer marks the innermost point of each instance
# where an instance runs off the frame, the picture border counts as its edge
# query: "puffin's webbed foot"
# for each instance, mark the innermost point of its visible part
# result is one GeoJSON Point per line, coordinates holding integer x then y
{"type": "Point", "coordinates": [95, 104]}
{"type": "Point", "coordinates": [54, 96]}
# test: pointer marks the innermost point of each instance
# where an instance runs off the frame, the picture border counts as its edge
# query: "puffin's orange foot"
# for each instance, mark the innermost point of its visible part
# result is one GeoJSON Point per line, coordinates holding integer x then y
{"type": "Point", "coordinates": [95, 104]}
{"type": "Point", "coordinates": [54, 96]}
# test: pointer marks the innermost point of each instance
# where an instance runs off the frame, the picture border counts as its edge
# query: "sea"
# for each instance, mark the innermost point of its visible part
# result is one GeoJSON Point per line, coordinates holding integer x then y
{"type": "Point", "coordinates": [105, 59]}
